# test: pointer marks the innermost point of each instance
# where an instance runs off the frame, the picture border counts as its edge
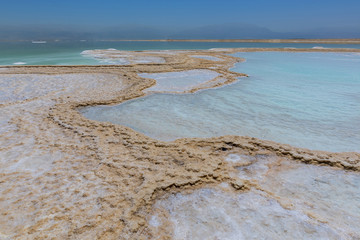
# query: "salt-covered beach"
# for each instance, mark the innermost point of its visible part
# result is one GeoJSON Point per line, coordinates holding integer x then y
{"type": "Point", "coordinates": [65, 176]}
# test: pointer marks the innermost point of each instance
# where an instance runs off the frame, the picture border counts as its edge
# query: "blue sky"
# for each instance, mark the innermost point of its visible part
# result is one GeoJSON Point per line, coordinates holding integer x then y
{"type": "Point", "coordinates": [143, 19]}
{"type": "Point", "coordinates": [276, 15]}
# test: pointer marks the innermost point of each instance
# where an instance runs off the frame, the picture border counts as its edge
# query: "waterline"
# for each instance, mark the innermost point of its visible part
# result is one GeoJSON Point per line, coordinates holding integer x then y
{"type": "Point", "coordinates": [306, 100]}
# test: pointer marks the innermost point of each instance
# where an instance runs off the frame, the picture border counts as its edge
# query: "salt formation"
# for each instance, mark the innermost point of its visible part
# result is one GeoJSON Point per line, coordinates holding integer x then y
{"type": "Point", "coordinates": [64, 176]}
{"type": "Point", "coordinates": [290, 201]}
{"type": "Point", "coordinates": [211, 58]}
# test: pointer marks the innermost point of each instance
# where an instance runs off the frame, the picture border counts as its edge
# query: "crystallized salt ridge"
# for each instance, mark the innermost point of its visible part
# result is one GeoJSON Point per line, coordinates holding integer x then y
{"type": "Point", "coordinates": [207, 57]}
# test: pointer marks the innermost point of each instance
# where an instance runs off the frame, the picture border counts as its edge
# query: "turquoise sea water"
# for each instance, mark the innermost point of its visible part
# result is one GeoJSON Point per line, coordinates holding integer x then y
{"type": "Point", "coordinates": [69, 53]}
{"type": "Point", "coordinates": [307, 100]}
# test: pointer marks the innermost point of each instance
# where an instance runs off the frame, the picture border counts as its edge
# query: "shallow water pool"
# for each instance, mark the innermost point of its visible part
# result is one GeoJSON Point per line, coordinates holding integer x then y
{"type": "Point", "coordinates": [308, 100]}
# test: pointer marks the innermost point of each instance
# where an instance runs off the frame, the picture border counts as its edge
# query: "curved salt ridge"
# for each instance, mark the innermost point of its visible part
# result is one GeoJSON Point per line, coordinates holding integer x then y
{"type": "Point", "coordinates": [306, 202]}
{"type": "Point", "coordinates": [148, 59]}
{"type": "Point", "coordinates": [178, 82]}
{"type": "Point", "coordinates": [211, 58]}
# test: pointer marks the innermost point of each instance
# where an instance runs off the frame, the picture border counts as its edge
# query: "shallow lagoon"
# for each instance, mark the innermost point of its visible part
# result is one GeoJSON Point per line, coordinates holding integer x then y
{"type": "Point", "coordinates": [307, 100]}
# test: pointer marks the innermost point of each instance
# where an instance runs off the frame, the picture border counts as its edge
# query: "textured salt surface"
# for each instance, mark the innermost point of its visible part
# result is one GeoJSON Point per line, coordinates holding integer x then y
{"type": "Point", "coordinates": [211, 58]}
{"type": "Point", "coordinates": [327, 194]}
{"type": "Point", "coordinates": [25, 96]}
{"type": "Point", "coordinates": [210, 214]}
{"type": "Point", "coordinates": [36, 155]}
{"type": "Point", "coordinates": [294, 201]}
{"type": "Point", "coordinates": [179, 81]}
{"type": "Point", "coordinates": [64, 176]}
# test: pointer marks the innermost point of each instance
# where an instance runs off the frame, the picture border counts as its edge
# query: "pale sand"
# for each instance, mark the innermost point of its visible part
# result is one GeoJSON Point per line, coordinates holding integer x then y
{"type": "Point", "coordinates": [66, 177]}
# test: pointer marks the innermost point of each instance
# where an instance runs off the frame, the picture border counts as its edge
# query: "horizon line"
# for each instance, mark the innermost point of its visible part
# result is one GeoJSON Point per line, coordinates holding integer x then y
{"type": "Point", "coordinates": [269, 40]}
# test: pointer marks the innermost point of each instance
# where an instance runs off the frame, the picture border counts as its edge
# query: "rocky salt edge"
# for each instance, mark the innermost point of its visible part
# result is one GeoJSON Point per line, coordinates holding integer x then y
{"type": "Point", "coordinates": [65, 176]}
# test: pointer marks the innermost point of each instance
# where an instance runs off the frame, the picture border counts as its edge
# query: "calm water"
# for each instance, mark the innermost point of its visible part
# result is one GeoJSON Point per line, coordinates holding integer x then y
{"type": "Point", "coordinates": [69, 53]}
{"type": "Point", "coordinates": [307, 100]}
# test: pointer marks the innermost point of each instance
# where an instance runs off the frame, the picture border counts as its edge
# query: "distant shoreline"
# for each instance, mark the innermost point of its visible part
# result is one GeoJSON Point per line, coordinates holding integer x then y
{"type": "Point", "coordinates": [333, 41]}
{"type": "Point", "coordinates": [305, 40]}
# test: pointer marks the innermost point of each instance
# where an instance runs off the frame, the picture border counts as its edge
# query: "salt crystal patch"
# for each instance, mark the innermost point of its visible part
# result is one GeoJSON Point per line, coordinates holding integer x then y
{"type": "Point", "coordinates": [224, 185]}
{"type": "Point", "coordinates": [154, 221]}
{"type": "Point", "coordinates": [233, 158]}
{"type": "Point", "coordinates": [237, 158]}
{"type": "Point", "coordinates": [214, 214]}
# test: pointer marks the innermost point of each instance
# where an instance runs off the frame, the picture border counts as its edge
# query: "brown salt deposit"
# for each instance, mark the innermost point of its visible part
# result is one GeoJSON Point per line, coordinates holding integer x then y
{"type": "Point", "coordinates": [64, 176]}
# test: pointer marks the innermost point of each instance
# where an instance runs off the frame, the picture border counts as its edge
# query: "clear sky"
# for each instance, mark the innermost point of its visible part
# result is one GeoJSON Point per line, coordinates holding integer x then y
{"type": "Point", "coordinates": [277, 15]}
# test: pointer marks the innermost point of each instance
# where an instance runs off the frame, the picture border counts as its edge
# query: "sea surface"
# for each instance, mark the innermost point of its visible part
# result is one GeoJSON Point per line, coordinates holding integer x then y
{"type": "Point", "coordinates": [308, 100]}
{"type": "Point", "coordinates": [69, 52]}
